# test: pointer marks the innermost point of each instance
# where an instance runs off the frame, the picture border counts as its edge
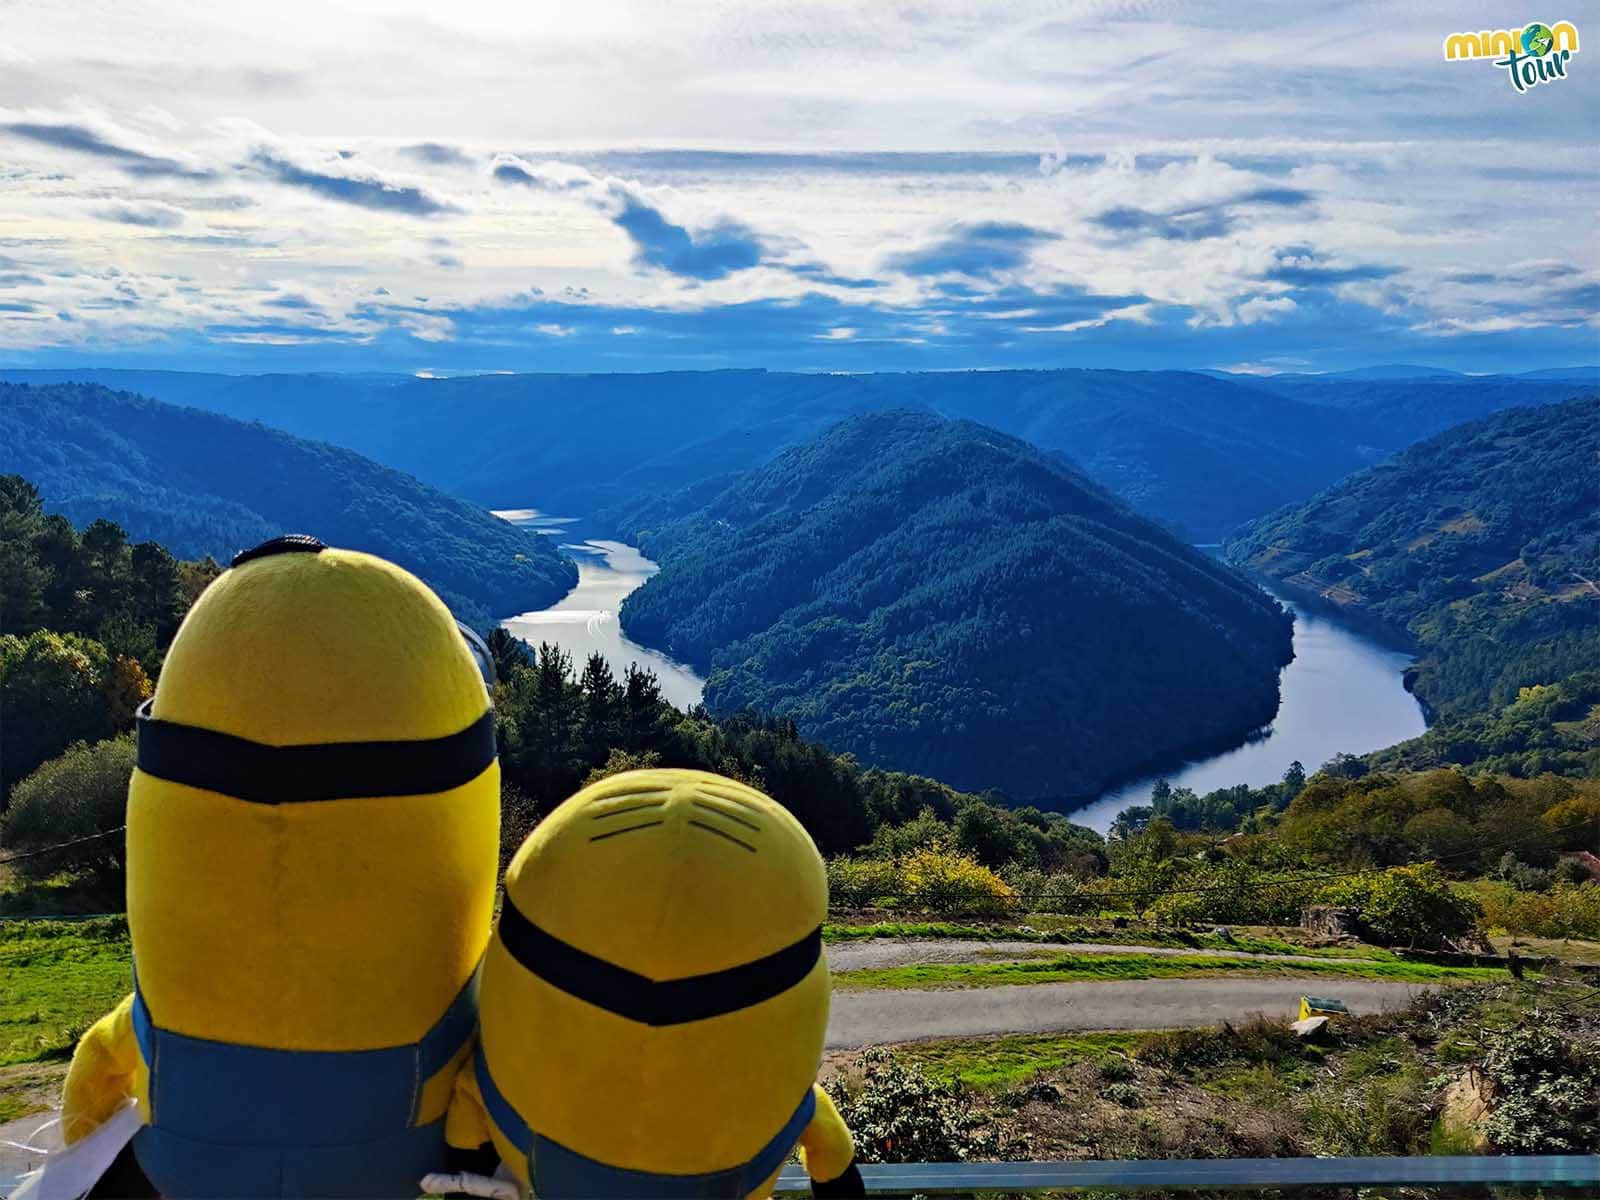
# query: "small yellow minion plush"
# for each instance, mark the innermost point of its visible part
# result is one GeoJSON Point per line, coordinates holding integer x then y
{"type": "Point", "coordinates": [655, 999]}
{"type": "Point", "coordinates": [312, 846]}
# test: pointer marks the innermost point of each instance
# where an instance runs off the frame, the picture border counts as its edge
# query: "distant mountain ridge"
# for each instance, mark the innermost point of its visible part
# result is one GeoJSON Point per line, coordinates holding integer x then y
{"type": "Point", "coordinates": [204, 484]}
{"type": "Point", "coordinates": [1482, 544]}
{"type": "Point", "coordinates": [934, 595]}
{"type": "Point", "coordinates": [1196, 452]}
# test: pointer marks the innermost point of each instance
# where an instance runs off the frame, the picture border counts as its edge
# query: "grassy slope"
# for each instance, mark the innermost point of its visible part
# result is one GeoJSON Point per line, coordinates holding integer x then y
{"type": "Point", "coordinates": [55, 979]}
{"type": "Point", "coordinates": [995, 1064]}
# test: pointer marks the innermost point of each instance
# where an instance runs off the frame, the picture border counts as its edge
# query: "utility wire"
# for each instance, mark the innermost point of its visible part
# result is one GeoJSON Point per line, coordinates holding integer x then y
{"type": "Point", "coordinates": [93, 837]}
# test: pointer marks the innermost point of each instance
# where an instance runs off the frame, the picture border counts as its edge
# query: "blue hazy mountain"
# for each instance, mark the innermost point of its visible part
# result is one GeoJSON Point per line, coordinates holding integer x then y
{"type": "Point", "coordinates": [204, 484]}
{"type": "Point", "coordinates": [936, 596]}
{"type": "Point", "coordinates": [1198, 453]}
{"type": "Point", "coordinates": [1397, 371]}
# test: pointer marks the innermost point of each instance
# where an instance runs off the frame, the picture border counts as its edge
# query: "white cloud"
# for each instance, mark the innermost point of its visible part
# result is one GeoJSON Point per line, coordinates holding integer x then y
{"type": "Point", "coordinates": [1262, 308]}
{"type": "Point", "coordinates": [1170, 115]}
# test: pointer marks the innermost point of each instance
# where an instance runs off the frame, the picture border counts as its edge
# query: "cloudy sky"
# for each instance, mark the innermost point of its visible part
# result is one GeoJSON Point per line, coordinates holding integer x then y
{"type": "Point", "coordinates": [851, 185]}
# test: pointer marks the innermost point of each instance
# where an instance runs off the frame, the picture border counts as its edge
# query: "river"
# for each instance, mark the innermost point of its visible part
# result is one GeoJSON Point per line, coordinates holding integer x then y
{"type": "Point", "coordinates": [1342, 692]}
{"type": "Point", "coordinates": [585, 619]}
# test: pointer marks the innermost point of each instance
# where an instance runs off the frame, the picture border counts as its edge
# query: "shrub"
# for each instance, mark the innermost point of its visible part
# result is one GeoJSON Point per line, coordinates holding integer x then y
{"type": "Point", "coordinates": [57, 689]}
{"type": "Point", "coordinates": [1039, 891]}
{"type": "Point", "coordinates": [1548, 1092]}
{"type": "Point", "coordinates": [1565, 910]}
{"type": "Point", "coordinates": [1114, 1068]}
{"type": "Point", "coordinates": [861, 882]}
{"type": "Point", "coordinates": [1411, 906]}
{"type": "Point", "coordinates": [953, 883]}
{"type": "Point", "coordinates": [899, 1114]}
{"type": "Point", "coordinates": [80, 794]}
{"type": "Point", "coordinates": [1381, 1115]}
{"type": "Point", "coordinates": [1233, 892]}
{"type": "Point", "coordinates": [925, 831]}
{"type": "Point", "coordinates": [1570, 870]}
{"type": "Point", "coordinates": [1254, 1040]}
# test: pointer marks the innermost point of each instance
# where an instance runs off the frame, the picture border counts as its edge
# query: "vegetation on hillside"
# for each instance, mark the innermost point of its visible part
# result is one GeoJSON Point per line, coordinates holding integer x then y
{"type": "Point", "coordinates": [1482, 544]}
{"type": "Point", "coordinates": [1547, 728]}
{"type": "Point", "coordinates": [1377, 1085]}
{"type": "Point", "coordinates": [934, 596]}
{"type": "Point", "coordinates": [85, 620]}
{"type": "Point", "coordinates": [202, 485]}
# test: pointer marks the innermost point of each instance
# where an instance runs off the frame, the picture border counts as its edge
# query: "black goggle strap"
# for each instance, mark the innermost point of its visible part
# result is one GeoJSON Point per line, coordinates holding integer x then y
{"type": "Point", "coordinates": [262, 774]}
{"type": "Point", "coordinates": [651, 1001]}
{"type": "Point", "coordinates": [480, 654]}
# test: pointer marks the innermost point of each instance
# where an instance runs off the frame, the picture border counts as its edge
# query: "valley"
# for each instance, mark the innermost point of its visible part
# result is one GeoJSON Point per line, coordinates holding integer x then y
{"type": "Point", "coordinates": [1343, 692]}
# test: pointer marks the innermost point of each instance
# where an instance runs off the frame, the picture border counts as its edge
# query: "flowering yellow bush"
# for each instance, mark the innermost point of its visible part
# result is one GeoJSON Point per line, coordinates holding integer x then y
{"type": "Point", "coordinates": [948, 882]}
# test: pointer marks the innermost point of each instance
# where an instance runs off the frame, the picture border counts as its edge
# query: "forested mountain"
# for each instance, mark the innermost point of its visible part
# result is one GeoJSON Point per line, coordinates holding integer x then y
{"type": "Point", "coordinates": [1482, 543]}
{"type": "Point", "coordinates": [202, 484]}
{"type": "Point", "coordinates": [936, 596]}
{"type": "Point", "coordinates": [1196, 452]}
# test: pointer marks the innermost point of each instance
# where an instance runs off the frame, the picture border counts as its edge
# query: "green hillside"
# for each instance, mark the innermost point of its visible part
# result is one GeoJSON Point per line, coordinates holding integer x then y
{"type": "Point", "coordinates": [1482, 544]}
{"type": "Point", "coordinates": [935, 596]}
{"type": "Point", "coordinates": [202, 484]}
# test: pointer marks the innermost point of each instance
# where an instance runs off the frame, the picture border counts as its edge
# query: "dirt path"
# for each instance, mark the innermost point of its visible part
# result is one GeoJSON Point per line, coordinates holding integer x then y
{"type": "Point", "coordinates": [872, 1018]}
{"type": "Point", "coordinates": [874, 953]}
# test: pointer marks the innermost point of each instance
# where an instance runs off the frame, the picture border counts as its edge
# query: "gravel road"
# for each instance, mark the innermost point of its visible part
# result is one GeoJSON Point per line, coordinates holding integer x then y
{"type": "Point", "coordinates": [871, 1018]}
{"type": "Point", "coordinates": [873, 953]}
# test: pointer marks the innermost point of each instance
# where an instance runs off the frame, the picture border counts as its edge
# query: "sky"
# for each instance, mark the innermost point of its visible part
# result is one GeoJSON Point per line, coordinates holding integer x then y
{"type": "Point", "coordinates": [847, 185]}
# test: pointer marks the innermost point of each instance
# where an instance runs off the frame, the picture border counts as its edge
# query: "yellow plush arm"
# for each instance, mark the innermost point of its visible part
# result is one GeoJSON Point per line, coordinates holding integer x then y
{"type": "Point", "coordinates": [466, 1123]}
{"type": "Point", "coordinates": [826, 1148]}
{"type": "Point", "coordinates": [102, 1075]}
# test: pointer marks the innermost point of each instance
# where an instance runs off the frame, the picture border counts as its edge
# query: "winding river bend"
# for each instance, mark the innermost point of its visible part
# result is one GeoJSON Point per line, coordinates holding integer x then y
{"type": "Point", "coordinates": [1342, 692]}
{"type": "Point", "coordinates": [585, 619]}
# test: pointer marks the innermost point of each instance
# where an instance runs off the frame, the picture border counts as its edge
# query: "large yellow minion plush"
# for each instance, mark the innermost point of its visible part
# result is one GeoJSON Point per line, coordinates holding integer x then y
{"type": "Point", "coordinates": [312, 847]}
{"type": "Point", "coordinates": [655, 999]}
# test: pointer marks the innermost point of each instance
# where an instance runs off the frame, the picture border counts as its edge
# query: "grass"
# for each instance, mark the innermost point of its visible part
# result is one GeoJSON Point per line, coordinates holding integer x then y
{"type": "Point", "coordinates": [1569, 950]}
{"type": "Point", "coordinates": [62, 894]}
{"type": "Point", "coordinates": [1003, 1063]}
{"type": "Point", "coordinates": [1068, 968]}
{"type": "Point", "coordinates": [56, 978]}
{"type": "Point", "coordinates": [28, 1088]}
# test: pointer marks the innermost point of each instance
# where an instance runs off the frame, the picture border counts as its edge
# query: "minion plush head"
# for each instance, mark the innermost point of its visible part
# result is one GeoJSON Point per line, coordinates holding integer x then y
{"type": "Point", "coordinates": [312, 845]}
{"type": "Point", "coordinates": [655, 996]}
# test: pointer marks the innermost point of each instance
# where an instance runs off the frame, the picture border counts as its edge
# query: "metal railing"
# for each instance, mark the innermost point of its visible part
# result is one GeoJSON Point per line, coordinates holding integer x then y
{"type": "Point", "coordinates": [961, 1179]}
